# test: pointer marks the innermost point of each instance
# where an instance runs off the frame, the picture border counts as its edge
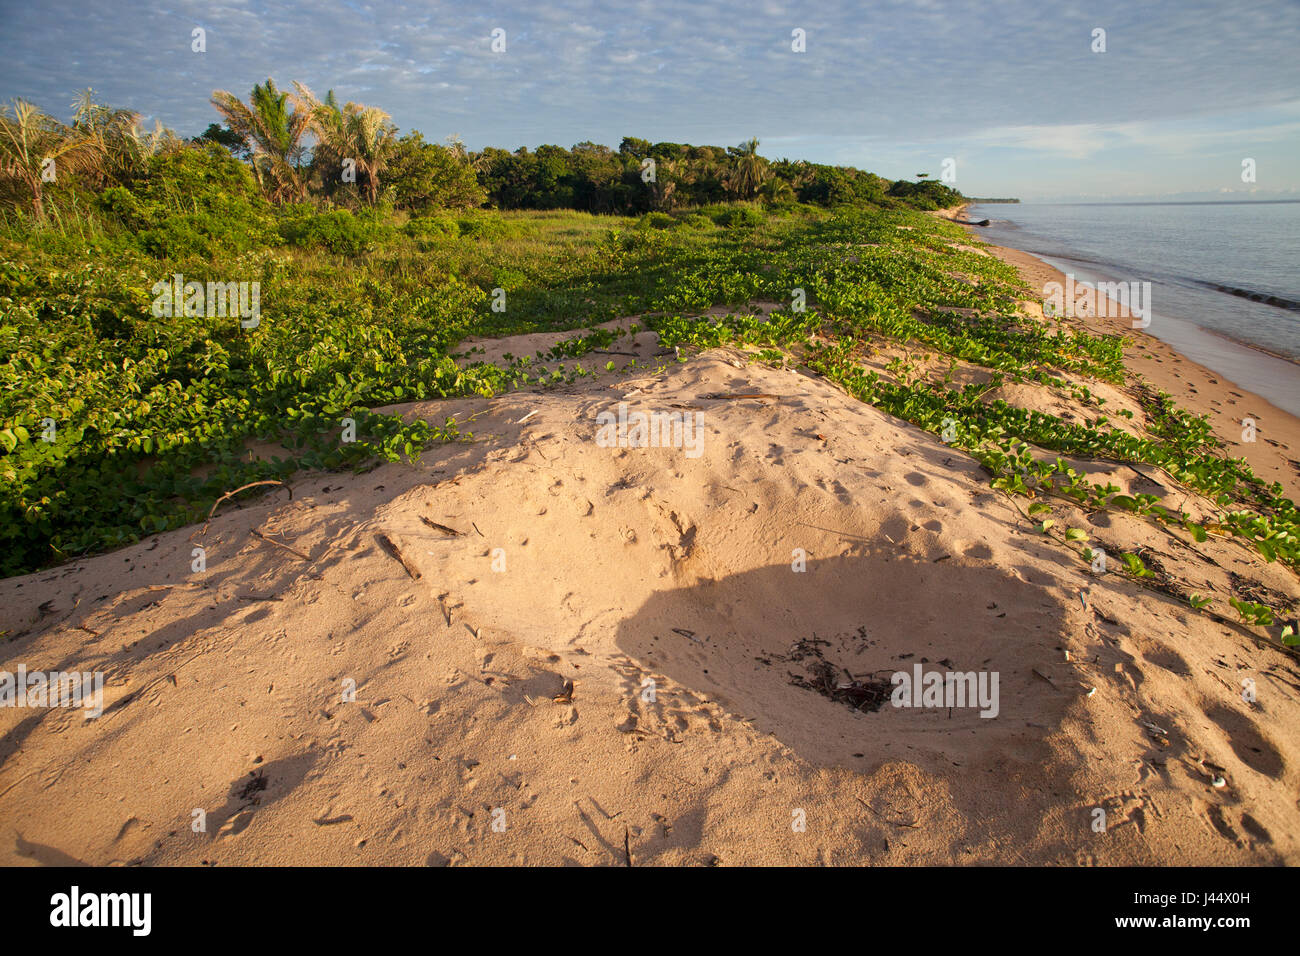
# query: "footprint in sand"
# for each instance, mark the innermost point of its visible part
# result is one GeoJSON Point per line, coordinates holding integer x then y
{"type": "Point", "coordinates": [1258, 832]}
{"type": "Point", "coordinates": [1125, 808]}
{"type": "Point", "coordinates": [1247, 742]}
{"type": "Point", "coordinates": [1214, 813]}
{"type": "Point", "coordinates": [834, 486]}
{"type": "Point", "coordinates": [236, 824]}
{"type": "Point", "coordinates": [1165, 658]}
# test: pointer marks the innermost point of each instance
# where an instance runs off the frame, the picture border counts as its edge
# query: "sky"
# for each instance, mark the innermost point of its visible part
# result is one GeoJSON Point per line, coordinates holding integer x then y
{"type": "Point", "coordinates": [1011, 91]}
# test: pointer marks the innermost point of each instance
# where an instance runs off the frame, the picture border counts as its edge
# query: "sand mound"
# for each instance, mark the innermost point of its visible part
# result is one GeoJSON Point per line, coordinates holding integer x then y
{"type": "Point", "coordinates": [564, 652]}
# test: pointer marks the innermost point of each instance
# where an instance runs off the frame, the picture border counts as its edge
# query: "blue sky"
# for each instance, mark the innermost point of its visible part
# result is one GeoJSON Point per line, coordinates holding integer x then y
{"type": "Point", "coordinates": [1010, 89]}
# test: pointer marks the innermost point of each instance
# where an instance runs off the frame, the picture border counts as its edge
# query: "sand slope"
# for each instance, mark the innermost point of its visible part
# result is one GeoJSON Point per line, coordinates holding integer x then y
{"type": "Point", "coordinates": [622, 565]}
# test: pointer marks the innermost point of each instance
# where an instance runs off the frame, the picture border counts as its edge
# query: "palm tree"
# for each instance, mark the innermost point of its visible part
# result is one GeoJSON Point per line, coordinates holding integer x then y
{"type": "Point", "coordinates": [112, 132]}
{"type": "Point", "coordinates": [159, 140]}
{"type": "Point", "coordinates": [803, 176]}
{"type": "Point", "coordinates": [362, 134]}
{"type": "Point", "coordinates": [29, 140]}
{"type": "Point", "coordinates": [663, 189]}
{"type": "Point", "coordinates": [456, 146]}
{"type": "Point", "coordinates": [776, 189]}
{"type": "Point", "coordinates": [123, 148]}
{"type": "Point", "coordinates": [273, 132]}
{"type": "Point", "coordinates": [748, 170]}
{"type": "Point", "coordinates": [479, 162]}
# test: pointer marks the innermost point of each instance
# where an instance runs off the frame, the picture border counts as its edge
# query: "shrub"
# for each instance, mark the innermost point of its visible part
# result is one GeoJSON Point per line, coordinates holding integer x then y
{"type": "Point", "coordinates": [423, 176]}
{"type": "Point", "coordinates": [734, 217]}
{"type": "Point", "coordinates": [656, 220]}
{"type": "Point", "coordinates": [433, 226]}
{"type": "Point", "coordinates": [338, 230]}
{"type": "Point", "coordinates": [430, 230]}
{"type": "Point", "coordinates": [194, 202]}
{"type": "Point", "coordinates": [482, 227]}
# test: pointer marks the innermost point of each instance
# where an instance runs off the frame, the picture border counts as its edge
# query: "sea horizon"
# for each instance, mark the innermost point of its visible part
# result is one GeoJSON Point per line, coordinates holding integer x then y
{"type": "Point", "coordinates": [1133, 202]}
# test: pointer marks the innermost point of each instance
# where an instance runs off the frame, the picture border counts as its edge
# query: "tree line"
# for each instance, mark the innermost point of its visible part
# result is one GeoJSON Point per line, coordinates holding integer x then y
{"type": "Point", "coordinates": [303, 148]}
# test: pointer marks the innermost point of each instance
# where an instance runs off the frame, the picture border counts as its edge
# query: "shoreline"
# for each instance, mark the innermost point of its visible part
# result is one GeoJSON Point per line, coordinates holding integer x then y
{"type": "Point", "coordinates": [1083, 272]}
{"type": "Point", "coordinates": [953, 213]}
{"type": "Point", "coordinates": [1275, 453]}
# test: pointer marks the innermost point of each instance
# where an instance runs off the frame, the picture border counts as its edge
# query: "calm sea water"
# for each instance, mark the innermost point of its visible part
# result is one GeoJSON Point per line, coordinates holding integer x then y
{"type": "Point", "coordinates": [1225, 277]}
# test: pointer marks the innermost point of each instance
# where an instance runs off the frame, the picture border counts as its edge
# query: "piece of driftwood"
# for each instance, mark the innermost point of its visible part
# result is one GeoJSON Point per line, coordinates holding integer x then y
{"type": "Point", "coordinates": [387, 544]}
{"type": "Point", "coordinates": [441, 527]}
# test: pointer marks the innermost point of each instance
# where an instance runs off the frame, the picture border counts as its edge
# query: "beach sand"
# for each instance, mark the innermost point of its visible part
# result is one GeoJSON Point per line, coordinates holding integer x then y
{"type": "Point", "coordinates": [564, 653]}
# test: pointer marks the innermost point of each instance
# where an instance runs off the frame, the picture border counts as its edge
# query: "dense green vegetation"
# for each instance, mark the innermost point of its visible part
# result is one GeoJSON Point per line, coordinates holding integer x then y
{"type": "Point", "coordinates": [597, 179]}
{"type": "Point", "coordinates": [301, 148]}
{"type": "Point", "coordinates": [117, 421]}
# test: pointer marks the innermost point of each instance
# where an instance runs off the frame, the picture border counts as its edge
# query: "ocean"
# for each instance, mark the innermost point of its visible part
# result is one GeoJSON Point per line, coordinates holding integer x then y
{"type": "Point", "coordinates": [1225, 277]}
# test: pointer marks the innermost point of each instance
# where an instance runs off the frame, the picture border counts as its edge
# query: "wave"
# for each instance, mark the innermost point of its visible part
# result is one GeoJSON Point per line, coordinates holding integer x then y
{"type": "Point", "coordinates": [1265, 297]}
{"type": "Point", "coordinates": [1116, 268]}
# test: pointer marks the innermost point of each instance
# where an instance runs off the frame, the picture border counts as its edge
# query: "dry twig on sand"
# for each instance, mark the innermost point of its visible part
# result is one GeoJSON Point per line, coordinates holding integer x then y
{"type": "Point", "coordinates": [441, 527]}
{"type": "Point", "coordinates": [909, 826]}
{"type": "Point", "coordinates": [279, 544]}
{"type": "Point", "coordinates": [231, 494]}
{"type": "Point", "coordinates": [387, 544]}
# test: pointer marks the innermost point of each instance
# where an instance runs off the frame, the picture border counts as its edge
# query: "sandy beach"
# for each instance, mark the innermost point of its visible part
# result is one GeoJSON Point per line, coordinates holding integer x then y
{"type": "Point", "coordinates": [536, 649]}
